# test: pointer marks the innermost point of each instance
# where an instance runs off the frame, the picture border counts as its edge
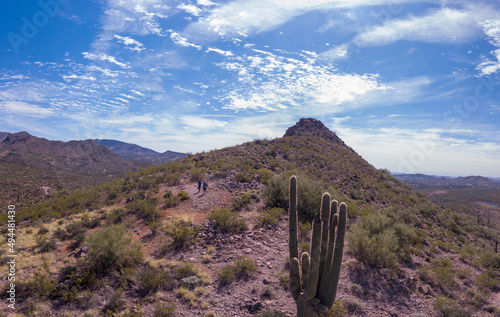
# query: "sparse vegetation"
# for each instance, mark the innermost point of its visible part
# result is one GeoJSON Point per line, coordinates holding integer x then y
{"type": "Point", "coordinates": [110, 249]}
{"type": "Point", "coordinates": [227, 220]}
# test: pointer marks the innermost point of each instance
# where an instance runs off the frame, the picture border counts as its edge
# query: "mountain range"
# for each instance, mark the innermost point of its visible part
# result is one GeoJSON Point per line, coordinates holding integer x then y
{"type": "Point", "coordinates": [135, 152]}
{"type": "Point", "coordinates": [422, 180]}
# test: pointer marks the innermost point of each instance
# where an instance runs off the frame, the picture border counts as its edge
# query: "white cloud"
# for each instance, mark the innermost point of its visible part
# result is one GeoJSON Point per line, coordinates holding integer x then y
{"type": "Point", "coordinates": [26, 109]}
{"type": "Point", "coordinates": [182, 41]}
{"type": "Point", "coordinates": [191, 9]}
{"type": "Point", "coordinates": [104, 57]}
{"type": "Point", "coordinates": [268, 82]}
{"type": "Point", "coordinates": [82, 77]}
{"type": "Point", "coordinates": [337, 53]}
{"type": "Point", "coordinates": [248, 17]}
{"type": "Point", "coordinates": [442, 26]}
{"type": "Point", "coordinates": [219, 51]}
{"type": "Point", "coordinates": [130, 43]}
{"type": "Point", "coordinates": [492, 30]}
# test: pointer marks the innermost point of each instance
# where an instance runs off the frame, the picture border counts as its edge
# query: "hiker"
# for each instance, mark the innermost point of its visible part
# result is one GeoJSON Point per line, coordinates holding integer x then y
{"type": "Point", "coordinates": [205, 186]}
{"type": "Point", "coordinates": [199, 185]}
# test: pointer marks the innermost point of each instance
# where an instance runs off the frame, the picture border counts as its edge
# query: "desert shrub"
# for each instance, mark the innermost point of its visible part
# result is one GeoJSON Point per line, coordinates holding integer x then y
{"type": "Point", "coordinates": [42, 285]}
{"type": "Point", "coordinates": [197, 174]}
{"type": "Point", "coordinates": [183, 195]}
{"type": "Point", "coordinates": [146, 209]}
{"type": "Point", "coordinates": [60, 234]}
{"type": "Point", "coordinates": [489, 259]}
{"type": "Point", "coordinates": [488, 281]}
{"type": "Point", "coordinates": [151, 279]}
{"type": "Point", "coordinates": [271, 313]}
{"type": "Point", "coordinates": [269, 216]}
{"type": "Point", "coordinates": [447, 307]}
{"type": "Point", "coordinates": [442, 269]}
{"type": "Point", "coordinates": [380, 240]}
{"type": "Point", "coordinates": [276, 194]}
{"type": "Point", "coordinates": [243, 267]}
{"type": "Point", "coordinates": [373, 240]}
{"type": "Point", "coordinates": [112, 248]}
{"type": "Point", "coordinates": [114, 304]}
{"type": "Point", "coordinates": [183, 233]}
{"type": "Point", "coordinates": [352, 305]}
{"type": "Point", "coordinates": [67, 272]}
{"type": "Point", "coordinates": [47, 245]}
{"type": "Point", "coordinates": [245, 176]}
{"type": "Point", "coordinates": [337, 310]}
{"type": "Point", "coordinates": [42, 231]}
{"type": "Point", "coordinates": [165, 309]}
{"type": "Point", "coordinates": [268, 291]}
{"type": "Point", "coordinates": [227, 220]}
{"type": "Point", "coordinates": [264, 175]}
{"type": "Point", "coordinates": [239, 202]}
{"type": "Point", "coordinates": [116, 216]}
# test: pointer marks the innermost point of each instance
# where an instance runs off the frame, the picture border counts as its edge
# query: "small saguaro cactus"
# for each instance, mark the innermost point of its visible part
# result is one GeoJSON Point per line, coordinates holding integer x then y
{"type": "Point", "coordinates": [315, 289]}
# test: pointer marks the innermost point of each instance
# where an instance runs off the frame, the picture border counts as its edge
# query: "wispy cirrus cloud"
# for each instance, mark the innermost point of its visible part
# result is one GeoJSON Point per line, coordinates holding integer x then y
{"type": "Point", "coordinates": [489, 66]}
{"type": "Point", "coordinates": [444, 25]}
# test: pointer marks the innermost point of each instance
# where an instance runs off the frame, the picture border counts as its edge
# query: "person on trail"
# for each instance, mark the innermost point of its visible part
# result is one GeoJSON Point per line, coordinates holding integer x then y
{"type": "Point", "coordinates": [199, 185]}
{"type": "Point", "coordinates": [205, 186]}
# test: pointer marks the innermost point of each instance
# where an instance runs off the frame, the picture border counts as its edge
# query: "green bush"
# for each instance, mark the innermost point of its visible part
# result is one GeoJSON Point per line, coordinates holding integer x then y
{"type": "Point", "coordinates": [151, 279]}
{"type": "Point", "coordinates": [239, 202]}
{"type": "Point", "coordinates": [228, 220]}
{"type": "Point", "coordinates": [164, 309]}
{"type": "Point", "coordinates": [269, 216]}
{"type": "Point", "coordinates": [42, 285]}
{"type": "Point", "coordinates": [243, 267]}
{"type": "Point", "coordinates": [380, 240]}
{"type": "Point", "coordinates": [146, 209]}
{"type": "Point", "coordinates": [47, 245]}
{"type": "Point", "coordinates": [182, 233]}
{"type": "Point", "coordinates": [442, 269]}
{"type": "Point", "coordinates": [447, 307]}
{"type": "Point", "coordinates": [111, 248]}
{"type": "Point", "coordinates": [276, 194]}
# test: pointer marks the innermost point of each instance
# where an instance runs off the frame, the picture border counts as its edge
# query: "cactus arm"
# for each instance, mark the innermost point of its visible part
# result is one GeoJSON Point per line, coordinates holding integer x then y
{"type": "Point", "coordinates": [305, 269]}
{"type": "Point", "coordinates": [325, 219]}
{"type": "Point", "coordinates": [293, 226]}
{"type": "Point", "coordinates": [294, 278]}
{"type": "Point", "coordinates": [334, 273]}
{"type": "Point", "coordinates": [312, 282]}
{"type": "Point", "coordinates": [331, 238]}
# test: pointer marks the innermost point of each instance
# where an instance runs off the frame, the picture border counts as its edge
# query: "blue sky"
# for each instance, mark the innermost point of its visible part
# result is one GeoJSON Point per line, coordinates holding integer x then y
{"type": "Point", "coordinates": [412, 86]}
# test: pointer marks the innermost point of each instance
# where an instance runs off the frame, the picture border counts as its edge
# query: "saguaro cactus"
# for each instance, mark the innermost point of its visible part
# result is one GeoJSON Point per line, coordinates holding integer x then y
{"type": "Point", "coordinates": [315, 289]}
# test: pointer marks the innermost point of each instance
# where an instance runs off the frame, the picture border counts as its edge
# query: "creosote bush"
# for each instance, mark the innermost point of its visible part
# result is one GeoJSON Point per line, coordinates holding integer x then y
{"type": "Point", "coordinates": [379, 239]}
{"type": "Point", "coordinates": [110, 249]}
{"type": "Point", "coordinates": [243, 267]}
{"type": "Point", "coordinates": [269, 216]}
{"type": "Point", "coordinates": [228, 220]}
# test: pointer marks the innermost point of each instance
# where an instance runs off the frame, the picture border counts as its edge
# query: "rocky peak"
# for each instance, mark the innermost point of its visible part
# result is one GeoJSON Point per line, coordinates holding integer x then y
{"type": "Point", "coordinates": [312, 127]}
{"type": "Point", "coordinates": [18, 137]}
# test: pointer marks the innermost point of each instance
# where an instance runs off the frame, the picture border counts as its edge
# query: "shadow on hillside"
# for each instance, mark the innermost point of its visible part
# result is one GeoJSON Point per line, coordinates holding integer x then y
{"type": "Point", "coordinates": [380, 284]}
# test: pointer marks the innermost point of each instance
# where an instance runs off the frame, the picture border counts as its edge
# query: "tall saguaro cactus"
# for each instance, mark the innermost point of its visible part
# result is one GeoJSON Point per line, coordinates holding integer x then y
{"type": "Point", "coordinates": [315, 289]}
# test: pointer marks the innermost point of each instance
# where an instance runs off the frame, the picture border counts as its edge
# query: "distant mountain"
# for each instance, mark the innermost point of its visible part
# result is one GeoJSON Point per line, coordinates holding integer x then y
{"type": "Point", "coordinates": [138, 153]}
{"type": "Point", "coordinates": [3, 135]}
{"type": "Point", "coordinates": [29, 163]}
{"type": "Point", "coordinates": [422, 180]}
{"type": "Point", "coordinates": [88, 156]}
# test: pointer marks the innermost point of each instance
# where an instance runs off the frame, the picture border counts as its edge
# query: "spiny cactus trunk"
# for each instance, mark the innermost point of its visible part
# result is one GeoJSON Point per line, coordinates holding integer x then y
{"type": "Point", "coordinates": [314, 292]}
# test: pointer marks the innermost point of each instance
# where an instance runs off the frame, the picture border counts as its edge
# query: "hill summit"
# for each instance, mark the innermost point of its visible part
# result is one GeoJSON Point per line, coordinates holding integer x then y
{"type": "Point", "coordinates": [312, 127]}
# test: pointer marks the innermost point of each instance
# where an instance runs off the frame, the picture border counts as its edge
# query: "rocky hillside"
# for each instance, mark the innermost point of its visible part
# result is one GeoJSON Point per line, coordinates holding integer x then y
{"type": "Point", "coordinates": [138, 153]}
{"type": "Point", "coordinates": [152, 244]}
